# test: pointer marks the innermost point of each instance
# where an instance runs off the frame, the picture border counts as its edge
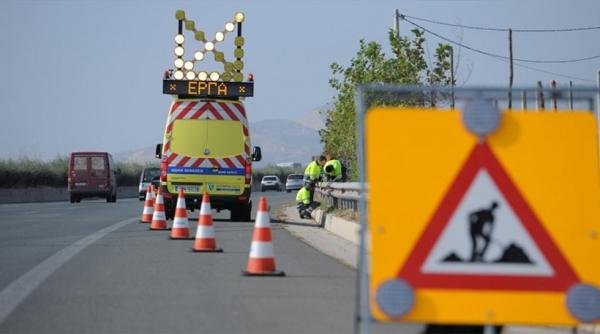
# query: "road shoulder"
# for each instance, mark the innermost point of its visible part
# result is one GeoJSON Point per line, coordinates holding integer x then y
{"type": "Point", "coordinates": [312, 233]}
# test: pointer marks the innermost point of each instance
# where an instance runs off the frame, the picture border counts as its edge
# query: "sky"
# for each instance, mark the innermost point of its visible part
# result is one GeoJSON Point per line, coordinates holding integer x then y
{"type": "Point", "coordinates": [86, 75]}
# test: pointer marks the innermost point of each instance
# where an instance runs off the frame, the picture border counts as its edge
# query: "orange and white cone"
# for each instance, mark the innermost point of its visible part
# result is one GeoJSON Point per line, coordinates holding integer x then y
{"type": "Point", "coordinates": [205, 233]}
{"type": "Point", "coordinates": [261, 261]}
{"type": "Point", "coordinates": [181, 227]}
{"type": "Point", "coordinates": [148, 207]}
{"type": "Point", "coordinates": [159, 219]}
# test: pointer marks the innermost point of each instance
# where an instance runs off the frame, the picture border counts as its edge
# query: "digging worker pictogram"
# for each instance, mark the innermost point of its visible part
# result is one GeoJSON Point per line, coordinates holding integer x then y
{"type": "Point", "coordinates": [481, 225]}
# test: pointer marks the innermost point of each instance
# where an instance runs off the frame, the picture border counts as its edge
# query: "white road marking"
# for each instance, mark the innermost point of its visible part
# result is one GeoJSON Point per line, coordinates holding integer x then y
{"type": "Point", "coordinates": [16, 292]}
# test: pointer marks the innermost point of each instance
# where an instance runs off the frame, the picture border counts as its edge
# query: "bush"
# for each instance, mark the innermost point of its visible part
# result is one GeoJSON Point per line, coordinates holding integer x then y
{"type": "Point", "coordinates": [27, 172]}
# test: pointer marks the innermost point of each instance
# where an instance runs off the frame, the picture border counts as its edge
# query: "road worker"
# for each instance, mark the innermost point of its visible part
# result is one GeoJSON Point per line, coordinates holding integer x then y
{"type": "Point", "coordinates": [333, 170]}
{"type": "Point", "coordinates": [313, 171]}
{"type": "Point", "coordinates": [304, 204]}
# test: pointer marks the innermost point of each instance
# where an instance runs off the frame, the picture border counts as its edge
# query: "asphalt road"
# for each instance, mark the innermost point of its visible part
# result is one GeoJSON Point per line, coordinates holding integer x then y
{"type": "Point", "coordinates": [92, 267]}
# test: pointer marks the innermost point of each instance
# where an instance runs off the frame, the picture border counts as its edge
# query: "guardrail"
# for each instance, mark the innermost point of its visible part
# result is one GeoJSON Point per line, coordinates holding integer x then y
{"type": "Point", "coordinates": [340, 195]}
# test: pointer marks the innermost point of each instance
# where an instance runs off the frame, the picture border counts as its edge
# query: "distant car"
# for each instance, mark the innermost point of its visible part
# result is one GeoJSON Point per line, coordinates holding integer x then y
{"type": "Point", "coordinates": [91, 174]}
{"type": "Point", "coordinates": [145, 178]}
{"type": "Point", "coordinates": [270, 182]}
{"type": "Point", "coordinates": [294, 182]}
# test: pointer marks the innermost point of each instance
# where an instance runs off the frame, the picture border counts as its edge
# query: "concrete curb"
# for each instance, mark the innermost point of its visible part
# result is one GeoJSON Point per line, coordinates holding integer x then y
{"type": "Point", "coordinates": [346, 229]}
{"type": "Point", "coordinates": [48, 194]}
{"type": "Point", "coordinates": [312, 233]}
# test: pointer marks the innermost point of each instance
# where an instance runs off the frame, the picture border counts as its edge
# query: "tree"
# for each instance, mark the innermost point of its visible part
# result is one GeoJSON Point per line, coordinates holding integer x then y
{"type": "Point", "coordinates": [407, 65]}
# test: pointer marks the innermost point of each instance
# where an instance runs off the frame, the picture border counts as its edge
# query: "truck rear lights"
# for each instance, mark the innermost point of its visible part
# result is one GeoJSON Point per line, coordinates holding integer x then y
{"type": "Point", "coordinates": [163, 171]}
{"type": "Point", "coordinates": [248, 173]}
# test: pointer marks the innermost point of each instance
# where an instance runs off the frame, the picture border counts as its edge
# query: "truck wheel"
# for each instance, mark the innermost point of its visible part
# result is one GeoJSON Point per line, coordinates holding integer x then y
{"type": "Point", "coordinates": [169, 209]}
{"type": "Point", "coordinates": [241, 212]}
{"type": "Point", "coordinates": [245, 210]}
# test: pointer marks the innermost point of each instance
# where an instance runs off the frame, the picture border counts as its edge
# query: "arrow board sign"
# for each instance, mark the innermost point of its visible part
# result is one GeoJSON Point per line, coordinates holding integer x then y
{"type": "Point", "coordinates": [484, 235]}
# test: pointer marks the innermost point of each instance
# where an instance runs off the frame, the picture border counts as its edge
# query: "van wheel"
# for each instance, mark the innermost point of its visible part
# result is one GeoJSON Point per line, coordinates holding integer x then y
{"type": "Point", "coordinates": [241, 212]}
{"type": "Point", "coordinates": [112, 198]}
{"type": "Point", "coordinates": [169, 209]}
{"type": "Point", "coordinates": [289, 191]}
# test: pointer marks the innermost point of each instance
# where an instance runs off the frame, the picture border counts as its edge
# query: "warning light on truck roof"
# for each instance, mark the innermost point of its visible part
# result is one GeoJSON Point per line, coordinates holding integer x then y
{"type": "Point", "coordinates": [179, 39]}
{"type": "Point", "coordinates": [232, 68]}
{"type": "Point", "coordinates": [239, 17]}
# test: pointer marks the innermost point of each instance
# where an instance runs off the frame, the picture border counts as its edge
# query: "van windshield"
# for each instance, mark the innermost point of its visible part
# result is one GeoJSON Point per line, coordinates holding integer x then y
{"type": "Point", "coordinates": [207, 138]}
{"type": "Point", "coordinates": [295, 177]}
{"type": "Point", "coordinates": [149, 174]}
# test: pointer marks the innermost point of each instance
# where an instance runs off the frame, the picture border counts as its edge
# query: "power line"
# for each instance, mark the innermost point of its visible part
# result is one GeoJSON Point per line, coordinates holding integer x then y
{"type": "Point", "coordinates": [535, 61]}
{"type": "Point", "coordinates": [503, 58]}
{"type": "Point", "coordinates": [402, 16]}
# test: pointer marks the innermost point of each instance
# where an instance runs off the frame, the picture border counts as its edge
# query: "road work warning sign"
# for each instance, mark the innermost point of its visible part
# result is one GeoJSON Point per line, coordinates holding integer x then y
{"type": "Point", "coordinates": [485, 230]}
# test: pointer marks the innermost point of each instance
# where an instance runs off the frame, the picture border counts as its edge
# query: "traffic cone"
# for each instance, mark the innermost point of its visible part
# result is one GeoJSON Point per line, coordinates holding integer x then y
{"type": "Point", "coordinates": [261, 261]}
{"type": "Point", "coordinates": [181, 227]}
{"type": "Point", "coordinates": [159, 220]}
{"type": "Point", "coordinates": [205, 234]}
{"type": "Point", "coordinates": [148, 207]}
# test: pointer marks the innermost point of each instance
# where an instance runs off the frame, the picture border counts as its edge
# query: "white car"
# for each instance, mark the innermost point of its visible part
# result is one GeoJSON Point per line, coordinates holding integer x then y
{"type": "Point", "coordinates": [294, 182]}
{"type": "Point", "coordinates": [145, 179]}
{"type": "Point", "coordinates": [270, 182]}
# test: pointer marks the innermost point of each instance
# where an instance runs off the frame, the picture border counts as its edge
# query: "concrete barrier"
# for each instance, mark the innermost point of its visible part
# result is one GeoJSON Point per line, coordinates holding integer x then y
{"type": "Point", "coordinates": [343, 228]}
{"type": "Point", "coordinates": [48, 194]}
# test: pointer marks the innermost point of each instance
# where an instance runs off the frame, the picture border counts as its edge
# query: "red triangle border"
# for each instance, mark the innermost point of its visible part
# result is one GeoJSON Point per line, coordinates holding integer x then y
{"type": "Point", "coordinates": [482, 157]}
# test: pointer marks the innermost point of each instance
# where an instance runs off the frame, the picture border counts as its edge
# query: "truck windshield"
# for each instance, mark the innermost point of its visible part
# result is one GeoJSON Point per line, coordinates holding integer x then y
{"type": "Point", "coordinates": [207, 138]}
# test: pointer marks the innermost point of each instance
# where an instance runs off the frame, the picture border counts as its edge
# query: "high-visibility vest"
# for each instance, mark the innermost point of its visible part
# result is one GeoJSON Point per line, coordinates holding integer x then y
{"type": "Point", "coordinates": [303, 196]}
{"type": "Point", "coordinates": [312, 171]}
{"type": "Point", "coordinates": [337, 168]}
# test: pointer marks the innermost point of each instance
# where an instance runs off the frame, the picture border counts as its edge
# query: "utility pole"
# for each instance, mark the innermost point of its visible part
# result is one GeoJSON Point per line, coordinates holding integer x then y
{"type": "Point", "coordinates": [554, 97]}
{"type": "Point", "coordinates": [510, 78]}
{"type": "Point", "coordinates": [524, 100]}
{"type": "Point", "coordinates": [598, 100]}
{"type": "Point", "coordinates": [540, 96]}
{"type": "Point", "coordinates": [452, 76]}
{"type": "Point", "coordinates": [571, 94]}
{"type": "Point", "coordinates": [397, 23]}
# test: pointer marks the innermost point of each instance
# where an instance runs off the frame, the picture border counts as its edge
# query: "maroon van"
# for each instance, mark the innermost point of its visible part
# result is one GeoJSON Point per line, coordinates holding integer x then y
{"type": "Point", "coordinates": [92, 174]}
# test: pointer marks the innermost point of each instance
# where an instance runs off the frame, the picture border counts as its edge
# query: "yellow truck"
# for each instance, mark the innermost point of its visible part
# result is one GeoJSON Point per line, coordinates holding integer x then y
{"type": "Point", "coordinates": [206, 146]}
